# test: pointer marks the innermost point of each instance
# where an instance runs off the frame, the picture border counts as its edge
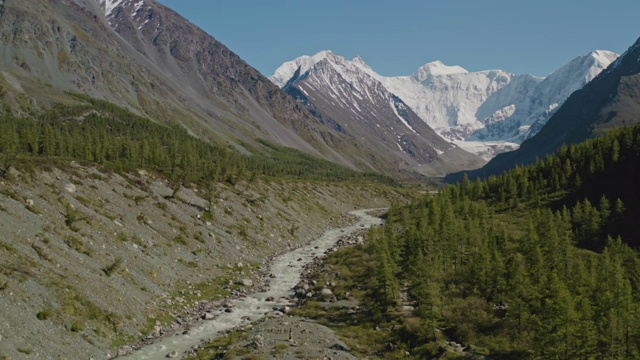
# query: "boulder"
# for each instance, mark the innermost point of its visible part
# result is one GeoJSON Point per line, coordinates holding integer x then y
{"type": "Point", "coordinates": [302, 285]}
{"type": "Point", "coordinates": [125, 350]}
{"type": "Point", "coordinates": [245, 282]}
{"type": "Point", "coordinates": [326, 293]}
{"type": "Point", "coordinates": [256, 342]}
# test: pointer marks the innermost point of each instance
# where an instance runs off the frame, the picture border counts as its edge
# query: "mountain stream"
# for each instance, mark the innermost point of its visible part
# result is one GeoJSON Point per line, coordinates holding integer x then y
{"type": "Point", "coordinates": [287, 269]}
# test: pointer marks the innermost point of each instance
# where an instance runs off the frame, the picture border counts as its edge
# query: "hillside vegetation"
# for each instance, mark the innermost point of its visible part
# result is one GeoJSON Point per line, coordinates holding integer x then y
{"type": "Point", "coordinates": [540, 262]}
{"type": "Point", "coordinates": [113, 226]}
{"type": "Point", "coordinates": [102, 133]}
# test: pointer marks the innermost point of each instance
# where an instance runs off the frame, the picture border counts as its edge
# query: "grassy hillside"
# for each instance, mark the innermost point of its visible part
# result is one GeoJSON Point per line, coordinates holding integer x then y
{"type": "Point", "coordinates": [102, 133]}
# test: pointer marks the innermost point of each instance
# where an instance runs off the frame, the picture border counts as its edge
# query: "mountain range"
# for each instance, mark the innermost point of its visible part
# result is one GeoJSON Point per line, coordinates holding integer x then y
{"type": "Point", "coordinates": [484, 112]}
{"type": "Point", "coordinates": [339, 93]}
{"type": "Point", "coordinates": [140, 55]}
{"type": "Point", "coordinates": [146, 172]}
{"type": "Point", "coordinates": [145, 57]}
{"type": "Point", "coordinates": [611, 99]}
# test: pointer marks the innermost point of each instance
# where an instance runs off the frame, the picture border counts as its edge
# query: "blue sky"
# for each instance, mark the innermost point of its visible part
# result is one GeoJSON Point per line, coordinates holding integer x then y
{"type": "Point", "coordinates": [396, 37]}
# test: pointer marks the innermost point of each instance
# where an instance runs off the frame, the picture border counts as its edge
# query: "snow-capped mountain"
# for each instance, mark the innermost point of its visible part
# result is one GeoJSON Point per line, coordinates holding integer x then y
{"type": "Point", "coordinates": [436, 68]}
{"type": "Point", "coordinates": [485, 112]}
{"type": "Point", "coordinates": [609, 100]}
{"type": "Point", "coordinates": [347, 96]}
{"type": "Point", "coordinates": [555, 89]}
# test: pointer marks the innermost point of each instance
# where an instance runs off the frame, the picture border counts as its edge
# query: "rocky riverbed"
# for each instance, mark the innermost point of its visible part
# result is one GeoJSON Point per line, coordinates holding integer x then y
{"type": "Point", "coordinates": [254, 282]}
{"type": "Point", "coordinates": [271, 296]}
{"type": "Point", "coordinates": [286, 336]}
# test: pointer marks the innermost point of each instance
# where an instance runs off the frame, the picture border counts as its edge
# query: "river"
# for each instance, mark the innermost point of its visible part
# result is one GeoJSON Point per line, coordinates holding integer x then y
{"type": "Point", "coordinates": [287, 269]}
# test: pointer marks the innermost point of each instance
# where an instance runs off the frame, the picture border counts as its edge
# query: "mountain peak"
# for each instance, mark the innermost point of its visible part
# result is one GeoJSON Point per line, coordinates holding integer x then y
{"type": "Point", "coordinates": [581, 70]}
{"type": "Point", "coordinates": [436, 68]}
{"type": "Point", "coordinates": [603, 56]}
{"type": "Point", "coordinates": [321, 55]}
{"type": "Point", "coordinates": [305, 62]}
{"type": "Point", "coordinates": [596, 61]}
{"type": "Point", "coordinates": [609, 101]}
{"type": "Point", "coordinates": [358, 60]}
{"type": "Point", "coordinates": [350, 97]}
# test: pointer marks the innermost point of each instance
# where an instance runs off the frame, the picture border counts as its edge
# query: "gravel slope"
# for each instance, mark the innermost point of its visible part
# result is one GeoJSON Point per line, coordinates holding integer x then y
{"type": "Point", "coordinates": [92, 260]}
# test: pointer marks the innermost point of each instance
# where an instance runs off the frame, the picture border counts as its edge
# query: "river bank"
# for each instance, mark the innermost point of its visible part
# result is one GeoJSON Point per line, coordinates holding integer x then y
{"type": "Point", "coordinates": [231, 313]}
{"type": "Point", "coordinates": [286, 336]}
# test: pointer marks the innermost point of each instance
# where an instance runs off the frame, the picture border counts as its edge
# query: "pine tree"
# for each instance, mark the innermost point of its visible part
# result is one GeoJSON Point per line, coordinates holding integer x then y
{"type": "Point", "coordinates": [557, 326]}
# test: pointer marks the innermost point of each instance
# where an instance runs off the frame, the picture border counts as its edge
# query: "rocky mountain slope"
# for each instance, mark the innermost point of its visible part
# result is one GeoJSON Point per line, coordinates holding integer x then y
{"type": "Point", "coordinates": [611, 99]}
{"type": "Point", "coordinates": [485, 112]}
{"type": "Point", "coordinates": [348, 99]}
{"type": "Point", "coordinates": [147, 58]}
{"type": "Point", "coordinates": [91, 260]}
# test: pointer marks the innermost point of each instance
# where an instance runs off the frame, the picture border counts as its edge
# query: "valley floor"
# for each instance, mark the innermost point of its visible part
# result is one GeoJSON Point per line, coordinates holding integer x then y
{"type": "Point", "coordinates": [92, 260]}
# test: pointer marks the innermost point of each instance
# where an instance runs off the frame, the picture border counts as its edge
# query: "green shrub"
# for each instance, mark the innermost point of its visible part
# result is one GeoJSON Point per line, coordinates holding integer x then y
{"type": "Point", "coordinates": [77, 327]}
{"type": "Point", "coordinates": [43, 314]}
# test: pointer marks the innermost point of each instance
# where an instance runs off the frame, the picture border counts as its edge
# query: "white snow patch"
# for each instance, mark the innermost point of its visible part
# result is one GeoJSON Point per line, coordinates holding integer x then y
{"type": "Point", "coordinates": [143, 24]}
{"type": "Point", "coordinates": [393, 107]}
{"type": "Point", "coordinates": [110, 5]}
{"type": "Point", "coordinates": [502, 114]}
{"type": "Point", "coordinates": [138, 6]}
{"type": "Point", "coordinates": [355, 105]}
